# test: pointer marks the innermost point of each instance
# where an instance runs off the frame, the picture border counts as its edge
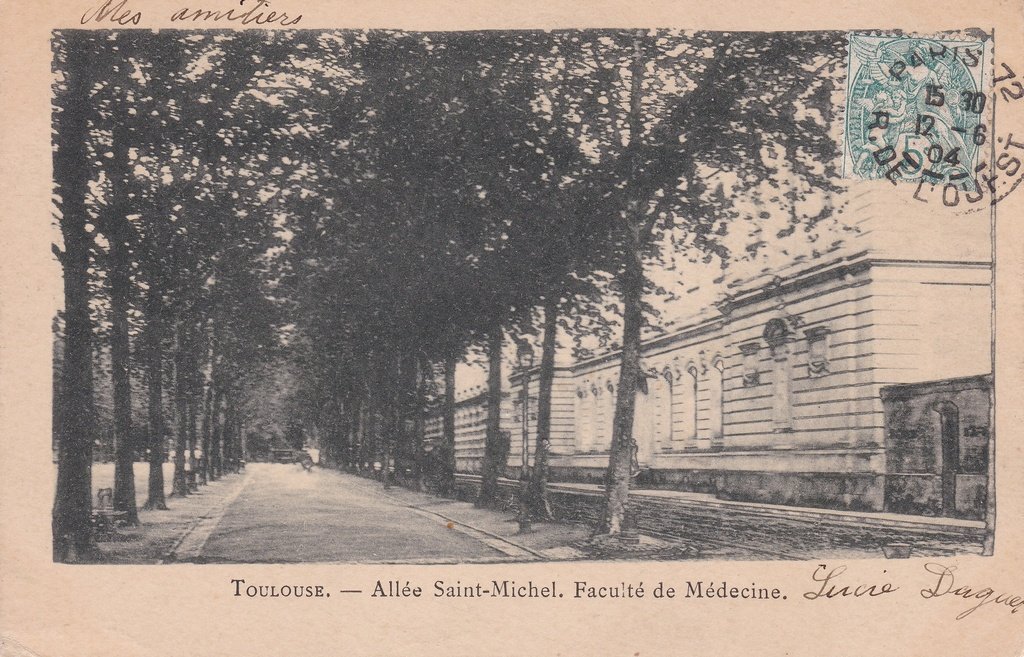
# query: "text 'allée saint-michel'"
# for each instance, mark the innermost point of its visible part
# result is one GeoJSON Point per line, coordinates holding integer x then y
{"type": "Point", "coordinates": [510, 588]}
{"type": "Point", "coordinates": [579, 589]}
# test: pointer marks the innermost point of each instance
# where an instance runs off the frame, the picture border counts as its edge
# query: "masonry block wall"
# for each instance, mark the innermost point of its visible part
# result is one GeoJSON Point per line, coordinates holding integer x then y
{"type": "Point", "coordinates": [938, 444]}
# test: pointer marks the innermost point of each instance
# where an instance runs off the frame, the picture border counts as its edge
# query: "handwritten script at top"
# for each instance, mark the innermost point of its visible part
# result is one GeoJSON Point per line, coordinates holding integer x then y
{"type": "Point", "coordinates": [251, 12]}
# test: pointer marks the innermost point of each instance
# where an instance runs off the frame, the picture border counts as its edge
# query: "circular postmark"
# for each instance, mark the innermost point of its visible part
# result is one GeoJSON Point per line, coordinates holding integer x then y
{"type": "Point", "coordinates": [921, 110]}
{"type": "Point", "coordinates": [1000, 169]}
{"type": "Point", "coordinates": [915, 109]}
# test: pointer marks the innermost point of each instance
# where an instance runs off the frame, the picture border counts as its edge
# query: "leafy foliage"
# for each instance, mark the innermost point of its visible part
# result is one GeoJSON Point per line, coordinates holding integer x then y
{"type": "Point", "coordinates": [350, 211]}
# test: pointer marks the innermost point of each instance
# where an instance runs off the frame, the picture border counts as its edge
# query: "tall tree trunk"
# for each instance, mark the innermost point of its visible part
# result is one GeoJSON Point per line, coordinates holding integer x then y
{"type": "Point", "coordinates": [73, 500]}
{"type": "Point", "coordinates": [232, 448]}
{"type": "Point", "coordinates": [539, 503]}
{"type": "Point", "coordinates": [406, 449]}
{"type": "Point", "coordinates": [124, 448]}
{"type": "Point", "coordinates": [56, 418]}
{"type": "Point", "coordinates": [179, 486]}
{"type": "Point", "coordinates": [620, 462]}
{"type": "Point", "coordinates": [395, 438]}
{"type": "Point", "coordinates": [217, 447]}
{"type": "Point", "coordinates": [375, 395]}
{"type": "Point", "coordinates": [391, 418]}
{"type": "Point", "coordinates": [242, 450]}
{"type": "Point", "coordinates": [193, 434]}
{"type": "Point", "coordinates": [351, 410]}
{"type": "Point", "coordinates": [374, 429]}
{"type": "Point", "coordinates": [72, 504]}
{"type": "Point", "coordinates": [328, 431]}
{"type": "Point", "coordinates": [155, 356]}
{"type": "Point", "coordinates": [631, 282]}
{"type": "Point", "coordinates": [422, 368]}
{"type": "Point", "coordinates": [227, 434]}
{"type": "Point", "coordinates": [358, 429]}
{"type": "Point", "coordinates": [204, 460]}
{"type": "Point", "coordinates": [195, 408]}
{"type": "Point", "coordinates": [367, 413]}
{"type": "Point", "coordinates": [447, 483]}
{"type": "Point", "coordinates": [341, 431]}
{"type": "Point", "coordinates": [495, 444]}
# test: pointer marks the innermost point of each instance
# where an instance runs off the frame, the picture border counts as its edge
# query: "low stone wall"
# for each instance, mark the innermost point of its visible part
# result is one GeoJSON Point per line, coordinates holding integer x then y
{"type": "Point", "coordinates": [792, 533]}
{"type": "Point", "coordinates": [826, 490]}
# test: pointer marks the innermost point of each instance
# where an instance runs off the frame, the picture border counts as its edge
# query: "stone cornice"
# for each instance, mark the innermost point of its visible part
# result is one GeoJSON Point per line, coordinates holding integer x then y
{"type": "Point", "coordinates": [764, 287]}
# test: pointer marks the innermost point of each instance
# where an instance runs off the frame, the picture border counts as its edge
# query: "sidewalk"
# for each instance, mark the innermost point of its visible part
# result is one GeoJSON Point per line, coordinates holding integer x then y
{"type": "Point", "coordinates": [161, 533]}
{"type": "Point", "coordinates": [548, 541]}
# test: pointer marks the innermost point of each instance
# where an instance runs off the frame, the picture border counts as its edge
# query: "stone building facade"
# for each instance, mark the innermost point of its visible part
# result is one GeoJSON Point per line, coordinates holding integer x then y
{"type": "Point", "coordinates": [774, 394]}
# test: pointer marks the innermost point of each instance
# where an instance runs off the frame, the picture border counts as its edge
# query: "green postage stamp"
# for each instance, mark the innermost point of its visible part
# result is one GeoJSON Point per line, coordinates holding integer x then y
{"type": "Point", "coordinates": [916, 107]}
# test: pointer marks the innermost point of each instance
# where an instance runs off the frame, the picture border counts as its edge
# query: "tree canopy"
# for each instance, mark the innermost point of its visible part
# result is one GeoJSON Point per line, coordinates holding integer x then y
{"type": "Point", "coordinates": [358, 209]}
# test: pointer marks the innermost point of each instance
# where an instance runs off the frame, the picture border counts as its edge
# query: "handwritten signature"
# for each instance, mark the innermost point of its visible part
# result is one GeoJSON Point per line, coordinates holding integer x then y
{"type": "Point", "coordinates": [829, 589]}
{"type": "Point", "coordinates": [985, 595]}
{"type": "Point", "coordinates": [943, 583]}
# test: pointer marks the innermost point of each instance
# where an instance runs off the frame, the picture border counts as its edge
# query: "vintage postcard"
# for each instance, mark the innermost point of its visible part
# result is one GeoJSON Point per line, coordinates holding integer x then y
{"type": "Point", "coordinates": [460, 329]}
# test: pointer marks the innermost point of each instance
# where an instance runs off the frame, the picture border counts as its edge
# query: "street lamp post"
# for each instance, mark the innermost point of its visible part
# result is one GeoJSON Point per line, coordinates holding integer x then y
{"type": "Point", "coordinates": [524, 354]}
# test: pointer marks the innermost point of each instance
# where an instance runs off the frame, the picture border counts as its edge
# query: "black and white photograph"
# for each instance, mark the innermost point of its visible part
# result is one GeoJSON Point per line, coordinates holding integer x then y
{"type": "Point", "coordinates": [451, 328]}
{"type": "Point", "coordinates": [386, 296]}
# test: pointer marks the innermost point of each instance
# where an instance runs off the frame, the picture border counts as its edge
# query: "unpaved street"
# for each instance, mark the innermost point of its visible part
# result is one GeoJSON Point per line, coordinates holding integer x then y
{"type": "Point", "coordinates": [284, 514]}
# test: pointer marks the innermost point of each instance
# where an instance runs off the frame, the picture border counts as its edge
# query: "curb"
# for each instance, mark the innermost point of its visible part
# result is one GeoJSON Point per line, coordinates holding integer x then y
{"type": "Point", "coordinates": [214, 511]}
{"type": "Point", "coordinates": [455, 521]}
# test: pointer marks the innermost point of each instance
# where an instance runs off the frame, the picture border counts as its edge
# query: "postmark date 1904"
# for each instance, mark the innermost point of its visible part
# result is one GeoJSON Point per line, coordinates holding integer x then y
{"type": "Point", "coordinates": [916, 108]}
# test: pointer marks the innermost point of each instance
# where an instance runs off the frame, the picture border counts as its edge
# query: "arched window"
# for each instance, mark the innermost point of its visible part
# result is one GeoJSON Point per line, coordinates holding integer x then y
{"type": "Point", "coordinates": [717, 384]}
{"type": "Point", "coordinates": [666, 418]}
{"type": "Point", "coordinates": [588, 417]}
{"type": "Point", "coordinates": [606, 415]}
{"type": "Point", "coordinates": [581, 417]}
{"type": "Point", "coordinates": [691, 412]}
{"type": "Point", "coordinates": [590, 433]}
{"type": "Point", "coordinates": [677, 405]}
{"type": "Point", "coordinates": [594, 417]}
{"type": "Point", "coordinates": [644, 420]}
